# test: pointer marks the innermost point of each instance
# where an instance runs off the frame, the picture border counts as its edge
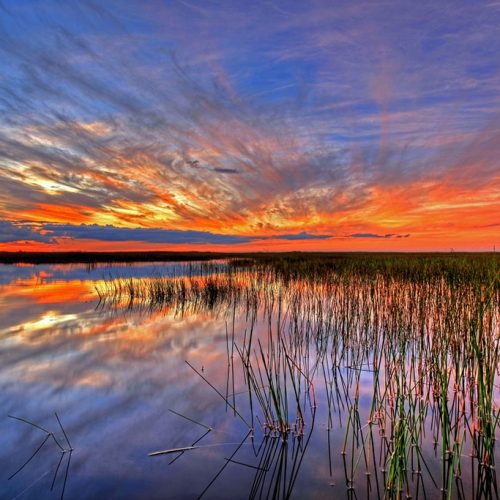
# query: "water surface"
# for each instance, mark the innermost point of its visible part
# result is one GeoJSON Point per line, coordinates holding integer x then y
{"type": "Point", "coordinates": [117, 377]}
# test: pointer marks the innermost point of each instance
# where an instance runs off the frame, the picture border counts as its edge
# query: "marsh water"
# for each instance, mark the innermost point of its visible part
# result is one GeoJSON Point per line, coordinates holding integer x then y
{"type": "Point", "coordinates": [130, 377]}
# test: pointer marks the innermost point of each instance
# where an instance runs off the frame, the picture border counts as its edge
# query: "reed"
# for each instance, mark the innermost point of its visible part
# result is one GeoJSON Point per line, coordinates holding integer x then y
{"type": "Point", "coordinates": [420, 331]}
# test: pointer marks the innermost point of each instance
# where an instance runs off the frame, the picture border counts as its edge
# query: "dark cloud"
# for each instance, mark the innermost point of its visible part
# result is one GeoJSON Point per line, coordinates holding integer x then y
{"type": "Point", "coordinates": [111, 233]}
{"type": "Point", "coordinates": [11, 232]}
{"type": "Point", "coordinates": [226, 170]}
{"type": "Point", "coordinates": [50, 233]}
{"type": "Point", "coordinates": [303, 236]}
{"type": "Point", "coordinates": [373, 235]}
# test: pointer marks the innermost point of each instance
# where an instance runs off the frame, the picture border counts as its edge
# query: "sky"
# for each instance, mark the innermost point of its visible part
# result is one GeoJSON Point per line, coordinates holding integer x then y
{"type": "Point", "coordinates": [249, 126]}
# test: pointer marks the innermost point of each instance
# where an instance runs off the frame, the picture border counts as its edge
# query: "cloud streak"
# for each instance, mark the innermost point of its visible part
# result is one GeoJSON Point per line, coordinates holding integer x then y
{"type": "Point", "coordinates": [53, 233]}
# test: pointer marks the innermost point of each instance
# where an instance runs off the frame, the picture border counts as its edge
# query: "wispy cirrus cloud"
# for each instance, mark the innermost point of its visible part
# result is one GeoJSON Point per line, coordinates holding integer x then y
{"type": "Point", "coordinates": [146, 116]}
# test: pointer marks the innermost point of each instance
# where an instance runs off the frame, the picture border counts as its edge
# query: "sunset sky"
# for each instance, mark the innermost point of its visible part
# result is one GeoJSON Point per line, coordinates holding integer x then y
{"type": "Point", "coordinates": [237, 125]}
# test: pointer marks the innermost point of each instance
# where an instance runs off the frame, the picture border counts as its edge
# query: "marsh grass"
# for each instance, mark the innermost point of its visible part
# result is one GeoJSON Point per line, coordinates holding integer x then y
{"type": "Point", "coordinates": [420, 332]}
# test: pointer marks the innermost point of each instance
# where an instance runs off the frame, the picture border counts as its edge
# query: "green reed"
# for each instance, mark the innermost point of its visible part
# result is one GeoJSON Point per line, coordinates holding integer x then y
{"type": "Point", "coordinates": [424, 329]}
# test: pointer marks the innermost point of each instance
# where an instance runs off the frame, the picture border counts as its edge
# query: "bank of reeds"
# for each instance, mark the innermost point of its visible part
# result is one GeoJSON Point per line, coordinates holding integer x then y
{"type": "Point", "coordinates": [416, 335]}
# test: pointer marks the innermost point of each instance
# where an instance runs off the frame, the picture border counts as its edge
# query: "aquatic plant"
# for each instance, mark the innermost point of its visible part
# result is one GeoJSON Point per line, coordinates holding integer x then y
{"type": "Point", "coordinates": [423, 329]}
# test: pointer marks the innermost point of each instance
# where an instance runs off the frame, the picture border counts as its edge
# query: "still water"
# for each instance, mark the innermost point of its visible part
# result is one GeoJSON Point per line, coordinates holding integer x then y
{"type": "Point", "coordinates": [128, 381]}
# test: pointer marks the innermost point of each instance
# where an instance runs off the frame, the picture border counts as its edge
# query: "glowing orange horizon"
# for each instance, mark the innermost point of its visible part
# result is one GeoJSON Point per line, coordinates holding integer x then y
{"type": "Point", "coordinates": [485, 244]}
{"type": "Point", "coordinates": [420, 216]}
